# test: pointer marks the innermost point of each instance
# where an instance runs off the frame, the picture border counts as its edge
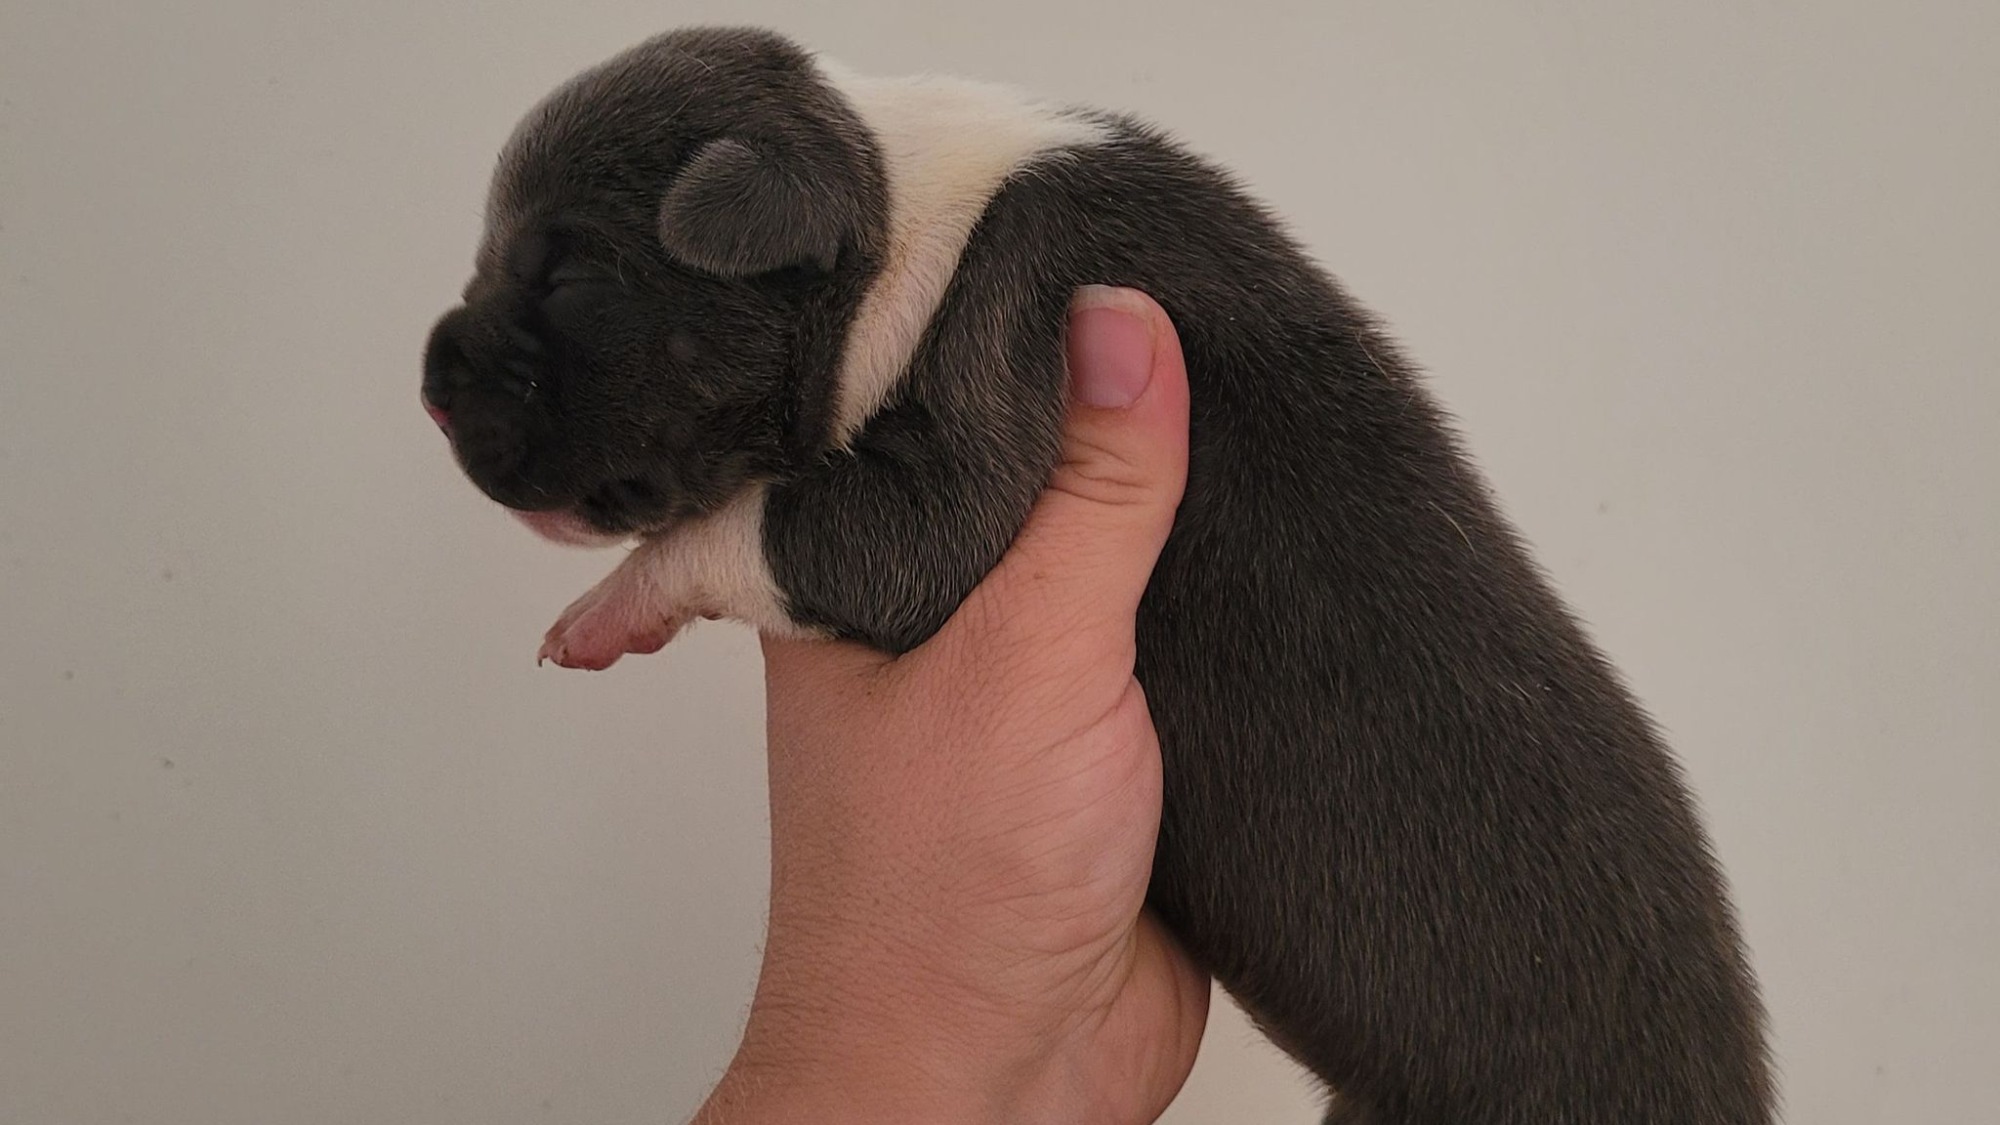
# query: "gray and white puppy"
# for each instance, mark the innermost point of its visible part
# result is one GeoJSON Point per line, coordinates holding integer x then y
{"type": "Point", "coordinates": [800, 333]}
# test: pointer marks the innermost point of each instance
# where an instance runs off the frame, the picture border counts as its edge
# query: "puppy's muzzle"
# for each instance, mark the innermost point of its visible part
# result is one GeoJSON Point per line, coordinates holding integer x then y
{"type": "Point", "coordinates": [480, 384]}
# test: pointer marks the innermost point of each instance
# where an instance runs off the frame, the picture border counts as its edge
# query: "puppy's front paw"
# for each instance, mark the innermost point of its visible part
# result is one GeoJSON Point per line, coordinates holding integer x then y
{"type": "Point", "coordinates": [619, 615]}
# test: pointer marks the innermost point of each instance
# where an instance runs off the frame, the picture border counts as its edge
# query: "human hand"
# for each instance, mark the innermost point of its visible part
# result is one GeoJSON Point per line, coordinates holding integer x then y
{"type": "Point", "coordinates": [962, 836]}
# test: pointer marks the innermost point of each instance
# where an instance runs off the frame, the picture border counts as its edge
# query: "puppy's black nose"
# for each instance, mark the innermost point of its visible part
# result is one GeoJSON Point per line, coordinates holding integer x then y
{"type": "Point", "coordinates": [472, 393]}
{"type": "Point", "coordinates": [447, 371]}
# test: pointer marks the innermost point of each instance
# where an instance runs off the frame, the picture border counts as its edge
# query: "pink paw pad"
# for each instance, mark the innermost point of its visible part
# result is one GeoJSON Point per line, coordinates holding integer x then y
{"type": "Point", "coordinates": [604, 625]}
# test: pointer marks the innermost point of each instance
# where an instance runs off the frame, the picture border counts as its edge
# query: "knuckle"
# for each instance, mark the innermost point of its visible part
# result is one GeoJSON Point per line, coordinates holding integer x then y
{"type": "Point", "coordinates": [1102, 474]}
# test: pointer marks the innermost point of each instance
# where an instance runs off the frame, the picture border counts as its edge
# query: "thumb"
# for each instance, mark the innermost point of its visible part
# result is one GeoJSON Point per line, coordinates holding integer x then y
{"type": "Point", "coordinates": [1082, 560]}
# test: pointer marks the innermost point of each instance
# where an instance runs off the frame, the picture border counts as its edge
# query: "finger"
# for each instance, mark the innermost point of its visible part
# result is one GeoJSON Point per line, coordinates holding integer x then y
{"type": "Point", "coordinates": [1083, 558]}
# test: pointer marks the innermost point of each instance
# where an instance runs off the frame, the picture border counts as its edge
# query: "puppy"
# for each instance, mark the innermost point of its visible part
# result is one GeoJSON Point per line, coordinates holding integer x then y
{"type": "Point", "coordinates": [800, 333]}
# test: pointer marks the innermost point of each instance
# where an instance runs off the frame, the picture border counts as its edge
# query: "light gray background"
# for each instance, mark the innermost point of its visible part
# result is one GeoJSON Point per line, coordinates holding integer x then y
{"type": "Point", "coordinates": [293, 830]}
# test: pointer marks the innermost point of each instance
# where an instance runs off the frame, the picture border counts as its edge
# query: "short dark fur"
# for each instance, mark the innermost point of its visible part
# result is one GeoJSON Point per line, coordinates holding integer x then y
{"type": "Point", "coordinates": [1413, 820]}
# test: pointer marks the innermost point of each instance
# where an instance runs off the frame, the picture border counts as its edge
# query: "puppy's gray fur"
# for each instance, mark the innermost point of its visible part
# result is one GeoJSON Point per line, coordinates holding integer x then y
{"type": "Point", "coordinates": [801, 332]}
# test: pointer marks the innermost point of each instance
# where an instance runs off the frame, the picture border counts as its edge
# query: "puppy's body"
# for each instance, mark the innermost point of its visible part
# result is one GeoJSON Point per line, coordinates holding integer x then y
{"type": "Point", "coordinates": [1412, 820]}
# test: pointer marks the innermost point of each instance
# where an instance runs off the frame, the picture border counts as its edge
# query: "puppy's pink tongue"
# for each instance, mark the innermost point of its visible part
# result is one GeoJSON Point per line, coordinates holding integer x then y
{"type": "Point", "coordinates": [439, 416]}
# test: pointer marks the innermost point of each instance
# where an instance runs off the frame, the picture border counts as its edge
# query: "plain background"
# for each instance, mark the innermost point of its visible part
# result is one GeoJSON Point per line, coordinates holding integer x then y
{"type": "Point", "coordinates": [292, 829]}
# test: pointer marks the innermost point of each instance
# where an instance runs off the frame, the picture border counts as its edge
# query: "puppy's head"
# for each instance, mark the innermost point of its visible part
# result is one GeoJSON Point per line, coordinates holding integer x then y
{"type": "Point", "coordinates": [672, 239]}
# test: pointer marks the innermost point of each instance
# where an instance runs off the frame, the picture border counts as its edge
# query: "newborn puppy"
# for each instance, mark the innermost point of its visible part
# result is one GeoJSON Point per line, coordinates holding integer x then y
{"type": "Point", "coordinates": [800, 333]}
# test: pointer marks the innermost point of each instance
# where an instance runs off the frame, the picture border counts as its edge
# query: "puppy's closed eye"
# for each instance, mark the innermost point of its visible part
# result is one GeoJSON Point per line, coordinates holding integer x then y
{"type": "Point", "coordinates": [571, 273]}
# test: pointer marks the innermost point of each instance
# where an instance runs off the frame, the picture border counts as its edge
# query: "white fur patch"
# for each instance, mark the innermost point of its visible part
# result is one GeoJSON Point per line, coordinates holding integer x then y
{"type": "Point", "coordinates": [715, 566]}
{"type": "Point", "coordinates": [948, 145]}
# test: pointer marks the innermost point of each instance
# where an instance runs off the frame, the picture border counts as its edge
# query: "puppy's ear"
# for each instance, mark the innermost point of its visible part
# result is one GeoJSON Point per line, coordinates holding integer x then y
{"type": "Point", "coordinates": [736, 210]}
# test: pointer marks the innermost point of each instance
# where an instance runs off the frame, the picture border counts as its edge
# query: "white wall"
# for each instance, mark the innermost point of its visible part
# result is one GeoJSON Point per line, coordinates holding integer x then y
{"type": "Point", "coordinates": [292, 829]}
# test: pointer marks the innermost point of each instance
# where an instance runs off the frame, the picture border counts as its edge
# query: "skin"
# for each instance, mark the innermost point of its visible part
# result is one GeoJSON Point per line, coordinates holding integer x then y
{"type": "Point", "coordinates": [962, 836]}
